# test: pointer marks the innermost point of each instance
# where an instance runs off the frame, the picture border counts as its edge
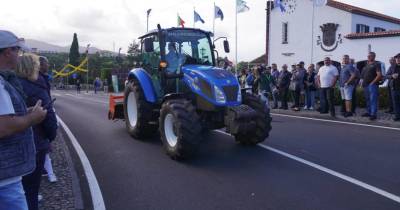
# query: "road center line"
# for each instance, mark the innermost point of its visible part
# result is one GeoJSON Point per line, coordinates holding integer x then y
{"type": "Point", "coordinates": [339, 122]}
{"type": "Point", "coordinates": [329, 171]}
{"type": "Point", "coordinates": [95, 192]}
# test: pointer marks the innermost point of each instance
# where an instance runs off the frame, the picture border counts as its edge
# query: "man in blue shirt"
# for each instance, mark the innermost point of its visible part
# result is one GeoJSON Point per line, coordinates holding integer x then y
{"type": "Point", "coordinates": [347, 84]}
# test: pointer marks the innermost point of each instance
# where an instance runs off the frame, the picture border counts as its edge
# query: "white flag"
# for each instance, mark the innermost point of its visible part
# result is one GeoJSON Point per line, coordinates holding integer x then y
{"type": "Point", "coordinates": [241, 6]}
{"type": "Point", "coordinates": [320, 3]}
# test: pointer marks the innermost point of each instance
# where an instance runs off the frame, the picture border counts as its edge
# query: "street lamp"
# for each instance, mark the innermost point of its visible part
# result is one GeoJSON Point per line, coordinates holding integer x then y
{"type": "Point", "coordinates": [87, 68]}
{"type": "Point", "coordinates": [148, 14]}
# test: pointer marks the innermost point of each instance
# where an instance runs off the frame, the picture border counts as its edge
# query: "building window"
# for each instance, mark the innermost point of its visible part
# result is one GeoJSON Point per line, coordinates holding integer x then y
{"type": "Point", "coordinates": [285, 33]}
{"type": "Point", "coordinates": [361, 28]}
{"type": "Point", "coordinates": [378, 29]}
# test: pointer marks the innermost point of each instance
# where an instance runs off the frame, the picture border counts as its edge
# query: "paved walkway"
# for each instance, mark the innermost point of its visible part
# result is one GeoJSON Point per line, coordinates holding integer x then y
{"type": "Point", "coordinates": [63, 193]}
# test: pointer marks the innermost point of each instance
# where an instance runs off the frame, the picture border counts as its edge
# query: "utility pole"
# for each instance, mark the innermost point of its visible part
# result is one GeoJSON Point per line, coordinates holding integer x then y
{"type": "Point", "coordinates": [87, 68]}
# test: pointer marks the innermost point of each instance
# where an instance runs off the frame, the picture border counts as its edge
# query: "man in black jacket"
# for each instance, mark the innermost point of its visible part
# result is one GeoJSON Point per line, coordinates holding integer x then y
{"type": "Point", "coordinates": [283, 85]}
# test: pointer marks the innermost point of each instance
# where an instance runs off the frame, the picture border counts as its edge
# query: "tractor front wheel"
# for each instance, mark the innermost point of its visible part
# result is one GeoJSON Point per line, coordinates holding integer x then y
{"type": "Point", "coordinates": [180, 128]}
{"type": "Point", "coordinates": [137, 112]}
{"type": "Point", "coordinates": [263, 121]}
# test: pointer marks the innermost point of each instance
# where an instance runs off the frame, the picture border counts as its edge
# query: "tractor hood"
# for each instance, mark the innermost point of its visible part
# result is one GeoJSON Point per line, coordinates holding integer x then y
{"type": "Point", "coordinates": [211, 83]}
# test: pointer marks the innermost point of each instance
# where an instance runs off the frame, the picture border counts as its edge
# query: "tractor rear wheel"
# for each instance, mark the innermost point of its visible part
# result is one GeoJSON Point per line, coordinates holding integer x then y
{"type": "Point", "coordinates": [180, 128]}
{"type": "Point", "coordinates": [137, 112]}
{"type": "Point", "coordinates": [263, 121]}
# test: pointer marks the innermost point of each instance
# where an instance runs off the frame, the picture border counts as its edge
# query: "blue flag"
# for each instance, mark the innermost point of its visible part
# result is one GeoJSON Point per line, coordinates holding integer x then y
{"type": "Point", "coordinates": [219, 13]}
{"type": "Point", "coordinates": [197, 18]}
{"type": "Point", "coordinates": [278, 4]}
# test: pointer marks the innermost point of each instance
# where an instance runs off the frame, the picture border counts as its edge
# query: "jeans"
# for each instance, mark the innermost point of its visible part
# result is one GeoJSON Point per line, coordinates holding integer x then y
{"type": "Point", "coordinates": [284, 93]}
{"type": "Point", "coordinates": [275, 96]}
{"type": "Point", "coordinates": [296, 95]}
{"type": "Point", "coordinates": [391, 101]}
{"type": "Point", "coordinates": [327, 100]}
{"type": "Point", "coordinates": [12, 197]}
{"type": "Point", "coordinates": [371, 98]}
{"type": "Point", "coordinates": [310, 98]}
{"type": "Point", "coordinates": [31, 182]}
{"type": "Point", "coordinates": [396, 102]}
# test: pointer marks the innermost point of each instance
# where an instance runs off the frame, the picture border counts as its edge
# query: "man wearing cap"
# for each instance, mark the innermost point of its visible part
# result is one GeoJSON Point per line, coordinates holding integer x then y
{"type": "Point", "coordinates": [395, 77]}
{"type": "Point", "coordinates": [17, 150]}
{"type": "Point", "coordinates": [371, 75]}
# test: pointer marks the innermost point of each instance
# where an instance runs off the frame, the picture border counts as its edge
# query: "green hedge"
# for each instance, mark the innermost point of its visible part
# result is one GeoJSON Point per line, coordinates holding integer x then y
{"type": "Point", "coordinates": [383, 97]}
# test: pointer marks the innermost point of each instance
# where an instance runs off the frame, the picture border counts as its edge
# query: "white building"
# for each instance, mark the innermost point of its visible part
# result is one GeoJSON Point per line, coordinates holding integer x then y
{"type": "Point", "coordinates": [305, 32]}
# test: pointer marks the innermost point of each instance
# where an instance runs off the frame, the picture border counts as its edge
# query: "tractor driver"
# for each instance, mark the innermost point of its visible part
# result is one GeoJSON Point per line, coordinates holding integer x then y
{"type": "Point", "coordinates": [173, 58]}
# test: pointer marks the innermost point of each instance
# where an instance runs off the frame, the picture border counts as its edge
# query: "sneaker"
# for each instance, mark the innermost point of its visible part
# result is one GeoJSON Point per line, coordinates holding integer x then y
{"type": "Point", "coordinates": [305, 108]}
{"type": "Point", "coordinates": [52, 178]}
{"type": "Point", "coordinates": [311, 108]}
{"type": "Point", "coordinates": [365, 115]}
{"type": "Point", "coordinates": [373, 117]}
{"type": "Point", "coordinates": [40, 197]}
{"type": "Point", "coordinates": [296, 109]}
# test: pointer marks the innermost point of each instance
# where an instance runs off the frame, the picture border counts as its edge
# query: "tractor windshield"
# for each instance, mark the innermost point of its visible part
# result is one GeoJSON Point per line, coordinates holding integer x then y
{"type": "Point", "coordinates": [188, 47]}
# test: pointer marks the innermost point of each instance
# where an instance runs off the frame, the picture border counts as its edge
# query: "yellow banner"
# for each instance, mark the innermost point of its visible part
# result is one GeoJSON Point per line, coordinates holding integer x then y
{"type": "Point", "coordinates": [79, 68]}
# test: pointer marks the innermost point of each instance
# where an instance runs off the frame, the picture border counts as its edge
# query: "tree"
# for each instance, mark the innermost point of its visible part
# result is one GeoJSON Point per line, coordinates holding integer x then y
{"type": "Point", "coordinates": [74, 52]}
{"type": "Point", "coordinates": [133, 53]}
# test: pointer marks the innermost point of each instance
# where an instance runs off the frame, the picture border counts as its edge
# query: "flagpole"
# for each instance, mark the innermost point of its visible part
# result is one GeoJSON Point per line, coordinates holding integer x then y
{"type": "Point", "coordinates": [194, 19]}
{"type": "Point", "coordinates": [214, 22]}
{"type": "Point", "coordinates": [236, 40]}
{"type": "Point", "coordinates": [312, 32]}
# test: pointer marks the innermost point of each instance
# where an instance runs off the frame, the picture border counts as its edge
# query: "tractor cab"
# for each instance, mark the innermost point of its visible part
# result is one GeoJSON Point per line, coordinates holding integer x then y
{"type": "Point", "coordinates": [166, 54]}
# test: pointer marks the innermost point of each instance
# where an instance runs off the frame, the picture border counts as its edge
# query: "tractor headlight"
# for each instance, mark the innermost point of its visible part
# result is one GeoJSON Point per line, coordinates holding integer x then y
{"type": "Point", "coordinates": [219, 95]}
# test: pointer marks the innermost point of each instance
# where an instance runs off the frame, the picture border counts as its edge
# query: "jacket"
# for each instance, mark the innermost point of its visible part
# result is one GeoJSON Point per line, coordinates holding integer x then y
{"type": "Point", "coordinates": [17, 152]}
{"type": "Point", "coordinates": [46, 131]}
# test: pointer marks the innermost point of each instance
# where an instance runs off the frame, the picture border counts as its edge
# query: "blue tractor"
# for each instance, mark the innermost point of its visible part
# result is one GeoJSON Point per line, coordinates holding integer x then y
{"type": "Point", "coordinates": [179, 91]}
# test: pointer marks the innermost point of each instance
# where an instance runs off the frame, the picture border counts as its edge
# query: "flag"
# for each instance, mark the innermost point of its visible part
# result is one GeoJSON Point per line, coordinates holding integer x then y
{"type": "Point", "coordinates": [181, 22]}
{"type": "Point", "coordinates": [278, 4]}
{"type": "Point", "coordinates": [148, 12]}
{"type": "Point", "coordinates": [241, 6]}
{"type": "Point", "coordinates": [218, 13]}
{"type": "Point", "coordinates": [320, 3]}
{"type": "Point", "coordinates": [197, 17]}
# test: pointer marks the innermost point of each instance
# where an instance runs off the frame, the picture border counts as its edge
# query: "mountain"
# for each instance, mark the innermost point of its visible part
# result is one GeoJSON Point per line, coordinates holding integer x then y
{"type": "Point", "coordinates": [43, 46]}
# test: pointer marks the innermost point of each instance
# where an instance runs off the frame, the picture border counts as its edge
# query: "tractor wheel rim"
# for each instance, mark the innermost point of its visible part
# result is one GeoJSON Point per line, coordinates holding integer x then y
{"type": "Point", "coordinates": [170, 135]}
{"type": "Point", "coordinates": [132, 109]}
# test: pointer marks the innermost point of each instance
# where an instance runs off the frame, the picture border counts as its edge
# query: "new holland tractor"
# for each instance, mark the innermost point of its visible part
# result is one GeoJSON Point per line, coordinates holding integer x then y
{"type": "Point", "coordinates": [179, 91]}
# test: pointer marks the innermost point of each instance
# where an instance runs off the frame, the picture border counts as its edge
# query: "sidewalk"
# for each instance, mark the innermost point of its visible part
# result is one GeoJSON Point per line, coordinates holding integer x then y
{"type": "Point", "coordinates": [384, 119]}
{"type": "Point", "coordinates": [65, 193]}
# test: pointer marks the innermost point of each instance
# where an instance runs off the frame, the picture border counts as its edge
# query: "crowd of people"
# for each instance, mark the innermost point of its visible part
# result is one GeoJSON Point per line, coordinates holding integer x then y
{"type": "Point", "coordinates": [316, 84]}
{"type": "Point", "coordinates": [28, 124]}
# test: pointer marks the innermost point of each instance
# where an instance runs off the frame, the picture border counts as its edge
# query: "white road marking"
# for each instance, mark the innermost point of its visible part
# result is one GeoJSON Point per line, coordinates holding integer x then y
{"type": "Point", "coordinates": [329, 171]}
{"type": "Point", "coordinates": [56, 94]}
{"type": "Point", "coordinates": [339, 122]}
{"type": "Point", "coordinates": [97, 197]}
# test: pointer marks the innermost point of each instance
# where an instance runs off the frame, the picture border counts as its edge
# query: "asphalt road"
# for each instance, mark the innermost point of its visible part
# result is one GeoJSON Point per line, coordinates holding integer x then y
{"type": "Point", "coordinates": [136, 174]}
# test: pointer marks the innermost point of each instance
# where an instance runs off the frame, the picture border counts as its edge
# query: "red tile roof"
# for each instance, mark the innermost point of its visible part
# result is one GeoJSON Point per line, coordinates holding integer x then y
{"type": "Point", "coordinates": [361, 11]}
{"type": "Point", "coordinates": [373, 34]}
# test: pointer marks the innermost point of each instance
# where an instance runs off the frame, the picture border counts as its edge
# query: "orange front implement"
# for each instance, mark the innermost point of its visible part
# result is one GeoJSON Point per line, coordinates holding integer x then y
{"type": "Point", "coordinates": [115, 110]}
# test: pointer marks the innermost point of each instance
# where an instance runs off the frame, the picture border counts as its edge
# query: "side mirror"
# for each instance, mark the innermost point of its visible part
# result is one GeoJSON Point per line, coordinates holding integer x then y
{"type": "Point", "coordinates": [226, 46]}
{"type": "Point", "coordinates": [148, 45]}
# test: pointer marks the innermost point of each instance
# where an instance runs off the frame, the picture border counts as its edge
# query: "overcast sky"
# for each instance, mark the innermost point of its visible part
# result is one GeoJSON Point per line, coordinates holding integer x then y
{"type": "Point", "coordinates": [103, 22]}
